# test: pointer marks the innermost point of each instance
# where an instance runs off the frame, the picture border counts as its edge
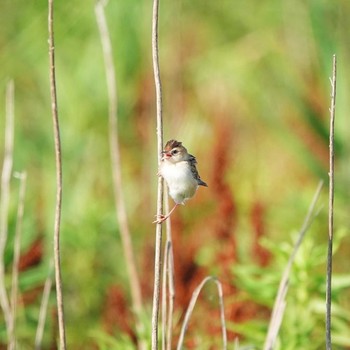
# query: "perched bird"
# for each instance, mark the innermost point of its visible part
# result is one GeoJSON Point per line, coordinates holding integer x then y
{"type": "Point", "coordinates": [178, 168]}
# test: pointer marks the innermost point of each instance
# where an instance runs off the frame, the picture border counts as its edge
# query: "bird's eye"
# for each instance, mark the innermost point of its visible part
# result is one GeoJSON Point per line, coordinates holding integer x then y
{"type": "Point", "coordinates": [175, 151]}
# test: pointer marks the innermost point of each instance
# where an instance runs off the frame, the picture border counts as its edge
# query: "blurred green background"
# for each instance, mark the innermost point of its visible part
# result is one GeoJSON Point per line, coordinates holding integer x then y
{"type": "Point", "coordinates": [246, 88]}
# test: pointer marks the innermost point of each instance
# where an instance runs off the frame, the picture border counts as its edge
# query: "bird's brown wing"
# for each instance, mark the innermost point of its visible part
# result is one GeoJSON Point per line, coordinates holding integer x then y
{"type": "Point", "coordinates": [192, 161]}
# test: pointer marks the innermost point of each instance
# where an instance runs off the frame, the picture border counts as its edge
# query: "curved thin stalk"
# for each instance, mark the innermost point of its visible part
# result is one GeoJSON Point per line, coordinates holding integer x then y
{"type": "Point", "coordinates": [158, 241]}
{"type": "Point", "coordinates": [192, 305]}
{"type": "Point", "coordinates": [57, 224]}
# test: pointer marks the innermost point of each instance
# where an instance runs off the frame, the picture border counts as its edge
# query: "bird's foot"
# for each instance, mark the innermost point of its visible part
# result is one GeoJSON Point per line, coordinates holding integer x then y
{"type": "Point", "coordinates": [160, 218]}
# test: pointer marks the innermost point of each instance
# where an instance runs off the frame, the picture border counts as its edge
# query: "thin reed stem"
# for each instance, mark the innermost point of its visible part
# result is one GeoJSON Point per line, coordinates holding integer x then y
{"type": "Point", "coordinates": [169, 259]}
{"type": "Point", "coordinates": [168, 288]}
{"type": "Point", "coordinates": [330, 208]}
{"type": "Point", "coordinates": [58, 157]}
{"type": "Point", "coordinates": [16, 255]}
{"type": "Point", "coordinates": [43, 307]}
{"type": "Point", "coordinates": [168, 295]}
{"type": "Point", "coordinates": [158, 240]}
{"type": "Point", "coordinates": [164, 297]}
{"type": "Point", "coordinates": [5, 200]}
{"type": "Point", "coordinates": [171, 296]}
{"type": "Point", "coordinates": [134, 281]}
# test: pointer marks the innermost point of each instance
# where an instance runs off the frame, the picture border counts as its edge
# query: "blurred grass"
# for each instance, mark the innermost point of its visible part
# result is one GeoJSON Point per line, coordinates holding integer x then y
{"type": "Point", "coordinates": [258, 70]}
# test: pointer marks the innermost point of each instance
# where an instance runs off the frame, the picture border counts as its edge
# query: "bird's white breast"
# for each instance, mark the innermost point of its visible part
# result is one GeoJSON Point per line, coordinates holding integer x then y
{"type": "Point", "coordinates": [179, 178]}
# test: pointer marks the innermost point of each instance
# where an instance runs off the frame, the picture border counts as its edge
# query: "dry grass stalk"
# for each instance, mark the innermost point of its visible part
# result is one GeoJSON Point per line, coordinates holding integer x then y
{"type": "Point", "coordinates": [280, 302]}
{"type": "Point", "coordinates": [171, 295]}
{"type": "Point", "coordinates": [116, 167]}
{"type": "Point", "coordinates": [43, 308]}
{"type": "Point", "coordinates": [333, 81]}
{"type": "Point", "coordinates": [16, 255]}
{"type": "Point", "coordinates": [192, 305]}
{"type": "Point", "coordinates": [5, 200]}
{"type": "Point", "coordinates": [158, 241]}
{"type": "Point", "coordinates": [168, 287]}
{"type": "Point", "coordinates": [58, 157]}
{"type": "Point", "coordinates": [164, 295]}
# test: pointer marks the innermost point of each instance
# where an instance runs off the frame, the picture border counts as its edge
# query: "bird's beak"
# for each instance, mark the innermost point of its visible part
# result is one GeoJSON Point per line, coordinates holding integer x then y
{"type": "Point", "coordinates": [166, 154]}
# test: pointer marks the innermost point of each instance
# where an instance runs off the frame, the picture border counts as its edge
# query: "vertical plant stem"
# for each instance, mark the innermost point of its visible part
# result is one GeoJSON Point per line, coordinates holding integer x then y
{"type": "Point", "coordinates": [5, 199]}
{"type": "Point", "coordinates": [330, 208]}
{"type": "Point", "coordinates": [57, 140]}
{"type": "Point", "coordinates": [170, 290]}
{"type": "Point", "coordinates": [171, 296]}
{"type": "Point", "coordinates": [116, 168]}
{"type": "Point", "coordinates": [158, 241]}
{"type": "Point", "coordinates": [164, 297]}
{"type": "Point", "coordinates": [43, 308]}
{"type": "Point", "coordinates": [16, 255]}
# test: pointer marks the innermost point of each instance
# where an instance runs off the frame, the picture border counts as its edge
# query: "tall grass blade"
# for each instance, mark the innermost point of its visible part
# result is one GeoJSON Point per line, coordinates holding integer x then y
{"type": "Point", "coordinates": [330, 208]}
{"type": "Point", "coordinates": [5, 199]}
{"type": "Point", "coordinates": [280, 302]}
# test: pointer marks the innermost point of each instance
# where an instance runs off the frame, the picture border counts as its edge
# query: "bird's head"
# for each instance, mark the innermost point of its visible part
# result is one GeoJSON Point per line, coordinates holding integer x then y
{"type": "Point", "coordinates": [174, 152]}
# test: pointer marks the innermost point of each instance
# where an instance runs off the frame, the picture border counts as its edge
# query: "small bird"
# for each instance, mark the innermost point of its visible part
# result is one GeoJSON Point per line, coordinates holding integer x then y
{"type": "Point", "coordinates": [178, 168]}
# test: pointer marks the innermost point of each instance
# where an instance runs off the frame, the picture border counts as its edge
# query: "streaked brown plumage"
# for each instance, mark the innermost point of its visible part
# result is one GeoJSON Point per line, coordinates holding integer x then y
{"type": "Point", "coordinates": [179, 170]}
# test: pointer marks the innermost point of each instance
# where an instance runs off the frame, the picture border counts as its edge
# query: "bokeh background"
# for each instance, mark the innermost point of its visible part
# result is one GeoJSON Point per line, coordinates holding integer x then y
{"type": "Point", "coordinates": [246, 89]}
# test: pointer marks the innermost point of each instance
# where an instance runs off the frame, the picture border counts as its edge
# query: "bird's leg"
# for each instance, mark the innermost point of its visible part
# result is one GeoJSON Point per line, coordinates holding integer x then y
{"type": "Point", "coordinates": [162, 218]}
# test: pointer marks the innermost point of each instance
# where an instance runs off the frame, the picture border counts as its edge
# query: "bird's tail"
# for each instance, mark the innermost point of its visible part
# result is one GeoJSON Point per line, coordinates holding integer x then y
{"type": "Point", "coordinates": [202, 183]}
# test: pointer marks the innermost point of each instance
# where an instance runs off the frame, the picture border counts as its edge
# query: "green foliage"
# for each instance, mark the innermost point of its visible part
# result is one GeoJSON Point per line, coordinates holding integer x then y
{"type": "Point", "coordinates": [304, 317]}
{"type": "Point", "coordinates": [108, 342]}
